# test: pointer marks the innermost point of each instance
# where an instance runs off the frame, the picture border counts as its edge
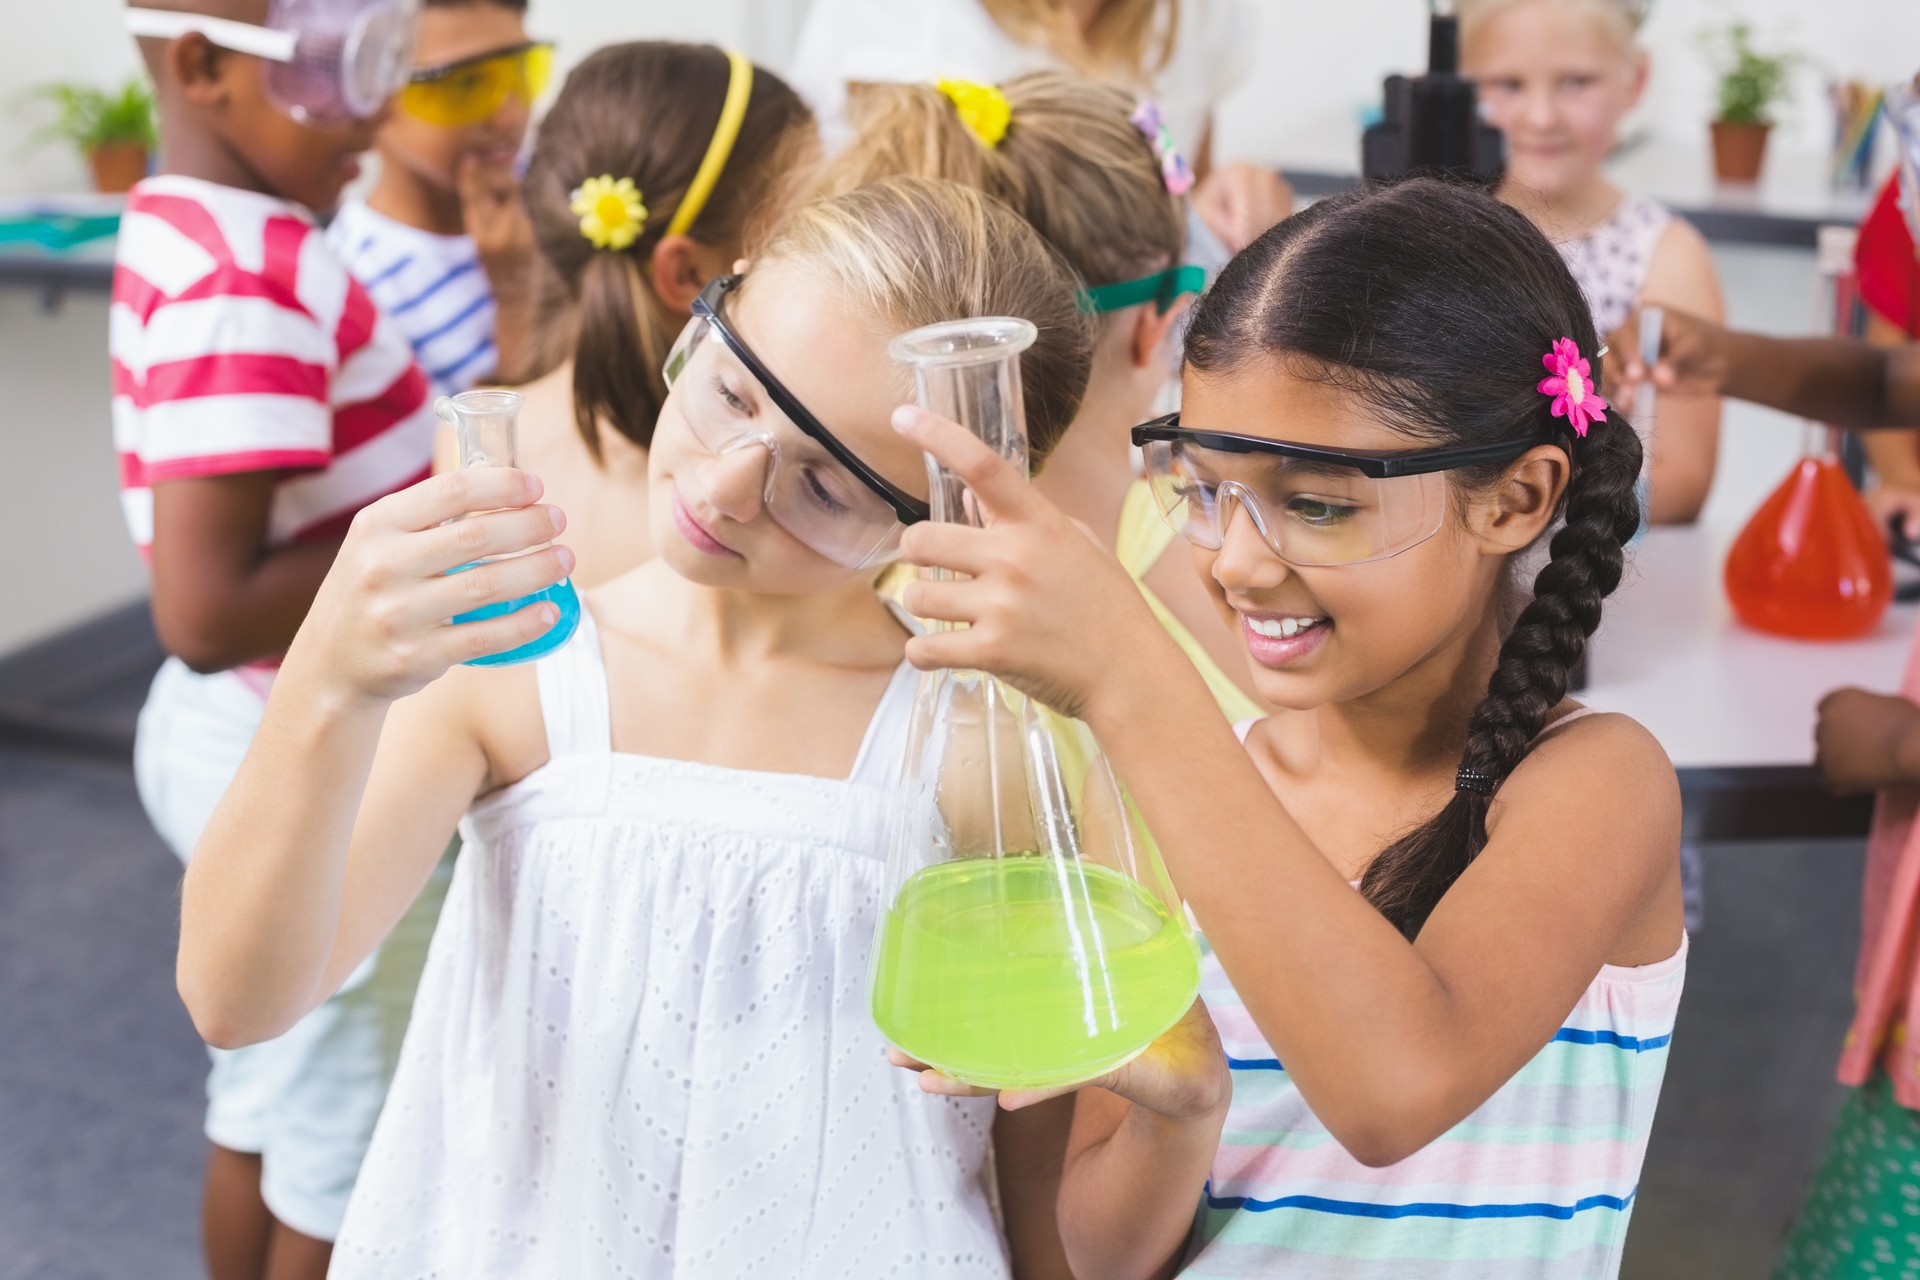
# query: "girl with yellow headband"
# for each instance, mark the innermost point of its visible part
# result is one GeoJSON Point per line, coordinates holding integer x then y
{"type": "Point", "coordinates": [647, 176]}
{"type": "Point", "coordinates": [1091, 168]}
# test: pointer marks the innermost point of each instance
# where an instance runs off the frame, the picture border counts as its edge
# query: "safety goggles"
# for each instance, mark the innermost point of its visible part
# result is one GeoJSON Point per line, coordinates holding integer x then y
{"type": "Point", "coordinates": [321, 61]}
{"type": "Point", "coordinates": [472, 90]}
{"type": "Point", "coordinates": [1313, 507]}
{"type": "Point", "coordinates": [1162, 288]}
{"type": "Point", "coordinates": [813, 486]}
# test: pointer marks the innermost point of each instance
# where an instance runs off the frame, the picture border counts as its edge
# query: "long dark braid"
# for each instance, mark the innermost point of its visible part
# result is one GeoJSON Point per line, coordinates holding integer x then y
{"type": "Point", "coordinates": [1434, 303]}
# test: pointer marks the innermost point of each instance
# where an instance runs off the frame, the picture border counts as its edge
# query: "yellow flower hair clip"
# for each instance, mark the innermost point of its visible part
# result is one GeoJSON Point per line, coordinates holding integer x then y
{"type": "Point", "coordinates": [981, 107]}
{"type": "Point", "coordinates": [611, 214]}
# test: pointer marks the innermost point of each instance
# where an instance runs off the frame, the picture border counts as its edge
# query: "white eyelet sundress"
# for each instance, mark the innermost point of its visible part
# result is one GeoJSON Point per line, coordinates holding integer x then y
{"type": "Point", "coordinates": [642, 1047]}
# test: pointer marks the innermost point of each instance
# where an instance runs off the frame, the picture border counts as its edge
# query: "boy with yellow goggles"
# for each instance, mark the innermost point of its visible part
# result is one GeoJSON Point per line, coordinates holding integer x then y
{"type": "Point", "coordinates": [470, 90]}
{"type": "Point", "coordinates": [441, 240]}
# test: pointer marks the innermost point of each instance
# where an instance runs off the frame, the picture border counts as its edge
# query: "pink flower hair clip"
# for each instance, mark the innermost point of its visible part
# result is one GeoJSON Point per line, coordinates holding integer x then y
{"type": "Point", "coordinates": [1571, 387]}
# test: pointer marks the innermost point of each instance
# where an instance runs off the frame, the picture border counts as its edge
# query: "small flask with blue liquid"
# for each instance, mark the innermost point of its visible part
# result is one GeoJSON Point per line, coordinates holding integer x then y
{"type": "Point", "coordinates": [484, 422]}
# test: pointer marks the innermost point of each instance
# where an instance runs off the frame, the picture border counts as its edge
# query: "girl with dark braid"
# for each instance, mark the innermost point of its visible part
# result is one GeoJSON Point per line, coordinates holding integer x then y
{"type": "Point", "coordinates": [1440, 900]}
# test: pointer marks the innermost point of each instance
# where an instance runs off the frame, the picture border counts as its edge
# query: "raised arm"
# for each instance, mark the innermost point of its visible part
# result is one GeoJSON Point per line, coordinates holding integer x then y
{"type": "Point", "coordinates": [331, 826]}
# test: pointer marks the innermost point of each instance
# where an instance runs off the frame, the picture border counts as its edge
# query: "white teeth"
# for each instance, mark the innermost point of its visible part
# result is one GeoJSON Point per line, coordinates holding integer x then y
{"type": "Point", "coordinates": [1280, 628]}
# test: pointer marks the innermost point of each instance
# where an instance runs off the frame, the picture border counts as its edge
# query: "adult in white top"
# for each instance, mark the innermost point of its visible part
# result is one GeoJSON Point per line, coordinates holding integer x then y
{"type": "Point", "coordinates": [856, 41]}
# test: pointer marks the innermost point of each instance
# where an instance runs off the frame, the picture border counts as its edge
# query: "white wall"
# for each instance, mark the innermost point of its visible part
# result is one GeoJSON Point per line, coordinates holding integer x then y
{"type": "Point", "coordinates": [1319, 62]}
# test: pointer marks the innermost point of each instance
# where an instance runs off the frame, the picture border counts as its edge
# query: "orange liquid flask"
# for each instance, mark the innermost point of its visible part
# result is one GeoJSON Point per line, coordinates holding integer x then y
{"type": "Point", "coordinates": [1811, 564]}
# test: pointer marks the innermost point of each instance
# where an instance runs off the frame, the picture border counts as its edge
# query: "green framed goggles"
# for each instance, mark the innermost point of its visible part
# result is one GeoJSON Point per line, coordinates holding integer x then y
{"type": "Point", "coordinates": [1163, 288]}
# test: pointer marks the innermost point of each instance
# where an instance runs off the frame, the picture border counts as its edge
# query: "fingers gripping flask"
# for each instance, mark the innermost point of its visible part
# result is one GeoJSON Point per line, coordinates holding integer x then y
{"type": "Point", "coordinates": [1031, 937]}
{"type": "Point", "coordinates": [485, 422]}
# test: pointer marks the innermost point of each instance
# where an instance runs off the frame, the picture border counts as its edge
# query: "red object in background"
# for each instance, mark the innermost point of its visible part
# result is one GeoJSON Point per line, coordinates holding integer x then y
{"type": "Point", "coordinates": [1884, 261]}
{"type": "Point", "coordinates": [1811, 564]}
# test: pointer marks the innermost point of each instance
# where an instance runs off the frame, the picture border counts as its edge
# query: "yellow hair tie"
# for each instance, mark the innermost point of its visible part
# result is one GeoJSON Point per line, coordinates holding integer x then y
{"type": "Point", "coordinates": [725, 133]}
{"type": "Point", "coordinates": [981, 107]}
{"type": "Point", "coordinates": [611, 214]}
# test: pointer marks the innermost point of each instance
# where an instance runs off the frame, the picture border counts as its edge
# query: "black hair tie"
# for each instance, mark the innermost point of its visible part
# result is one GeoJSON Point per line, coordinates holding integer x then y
{"type": "Point", "coordinates": [1470, 779]}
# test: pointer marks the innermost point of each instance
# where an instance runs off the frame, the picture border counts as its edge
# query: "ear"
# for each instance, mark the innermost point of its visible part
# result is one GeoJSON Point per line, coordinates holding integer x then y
{"type": "Point", "coordinates": [200, 67]}
{"type": "Point", "coordinates": [1519, 506]}
{"type": "Point", "coordinates": [1637, 85]}
{"type": "Point", "coordinates": [1150, 329]}
{"type": "Point", "coordinates": [676, 275]}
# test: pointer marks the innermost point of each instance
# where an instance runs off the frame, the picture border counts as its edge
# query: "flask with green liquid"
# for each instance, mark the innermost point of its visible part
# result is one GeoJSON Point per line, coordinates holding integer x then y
{"type": "Point", "coordinates": [1031, 937]}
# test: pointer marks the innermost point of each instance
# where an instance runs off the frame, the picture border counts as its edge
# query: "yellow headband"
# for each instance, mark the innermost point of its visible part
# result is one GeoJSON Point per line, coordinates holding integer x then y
{"type": "Point", "coordinates": [981, 107]}
{"type": "Point", "coordinates": [732, 112]}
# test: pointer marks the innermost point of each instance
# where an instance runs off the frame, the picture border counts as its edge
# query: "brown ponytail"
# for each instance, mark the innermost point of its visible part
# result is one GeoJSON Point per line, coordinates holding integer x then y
{"type": "Point", "coordinates": [644, 111]}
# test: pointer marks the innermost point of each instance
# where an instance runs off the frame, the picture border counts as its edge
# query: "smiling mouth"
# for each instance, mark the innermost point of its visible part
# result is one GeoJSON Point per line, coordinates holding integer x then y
{"type": "Point", "coordinates": [1283, 628]}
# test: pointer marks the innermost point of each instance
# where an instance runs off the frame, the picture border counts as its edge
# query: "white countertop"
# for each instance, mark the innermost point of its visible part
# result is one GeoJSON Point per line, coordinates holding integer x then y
{"type": "Point", "coordinates": [1670, 654]}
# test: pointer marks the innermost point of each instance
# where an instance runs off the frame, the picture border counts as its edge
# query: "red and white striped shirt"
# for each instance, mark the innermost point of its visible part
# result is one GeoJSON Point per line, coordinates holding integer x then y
{"type": "Point", "coordinates": [238, 342]}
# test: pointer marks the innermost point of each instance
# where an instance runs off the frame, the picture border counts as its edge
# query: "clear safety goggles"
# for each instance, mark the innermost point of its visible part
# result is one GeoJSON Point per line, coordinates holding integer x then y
{"type": "Point", "coordinates": [1314, 507]}
{"type": "Point", "coordinates": [812, 485]}
{"type": "Point", "coordinates": [322, 61]}
{"type": "Point", "coordinates": [472, 90]}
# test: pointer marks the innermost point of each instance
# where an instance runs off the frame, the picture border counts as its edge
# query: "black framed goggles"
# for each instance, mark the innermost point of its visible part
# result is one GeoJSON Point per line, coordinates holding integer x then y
{"type": "Point", "coordinates": [1377, 464]}
{"type": "Point", "coordinates": [708, 307]}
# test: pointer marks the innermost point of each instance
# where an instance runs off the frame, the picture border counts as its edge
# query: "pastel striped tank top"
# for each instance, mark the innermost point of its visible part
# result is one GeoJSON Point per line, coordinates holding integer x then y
{"type": "Point", "coordinates": [1537, 1184]}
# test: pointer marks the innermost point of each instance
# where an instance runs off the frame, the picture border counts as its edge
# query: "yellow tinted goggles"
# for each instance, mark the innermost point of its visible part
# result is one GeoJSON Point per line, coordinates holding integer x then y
{"type": "Point", "coordinates": [473, 89]}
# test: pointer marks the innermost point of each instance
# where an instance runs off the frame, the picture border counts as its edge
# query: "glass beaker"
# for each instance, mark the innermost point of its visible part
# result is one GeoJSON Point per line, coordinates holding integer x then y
{"type": "Point", "coordinates": [484, 422]}
{"type": "Point", "coordinates": [1812, 563]}
{"type": "Point", "coordinates": [1031, 937]}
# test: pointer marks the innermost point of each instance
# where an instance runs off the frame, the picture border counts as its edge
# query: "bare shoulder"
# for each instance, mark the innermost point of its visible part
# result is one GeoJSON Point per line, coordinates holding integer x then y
{"type": "Point", "coordinates": [1682, 272]}
{"type": "Point", "coordinates": [1604, 771]}
{"type": "Point", "coordinates": [1599, 745]}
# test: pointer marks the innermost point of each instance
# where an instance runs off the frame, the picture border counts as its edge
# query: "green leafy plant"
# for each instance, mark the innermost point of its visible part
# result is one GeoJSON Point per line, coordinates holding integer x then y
{"type": "Point", "coordinates": [1751, 82]}
{"type": "Point", "coordinates": [88, 118]}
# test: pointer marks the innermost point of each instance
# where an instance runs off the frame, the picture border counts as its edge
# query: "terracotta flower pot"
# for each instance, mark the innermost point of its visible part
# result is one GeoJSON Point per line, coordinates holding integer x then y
{"type": "Point", "coordinates": [1738, 150]}
{"type": "Point", "coordinates": [117, 166]}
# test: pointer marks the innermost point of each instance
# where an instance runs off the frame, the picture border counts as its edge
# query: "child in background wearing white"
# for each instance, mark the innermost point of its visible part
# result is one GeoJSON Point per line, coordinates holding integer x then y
{"type": "Point", "coordinates": [1557, 76]}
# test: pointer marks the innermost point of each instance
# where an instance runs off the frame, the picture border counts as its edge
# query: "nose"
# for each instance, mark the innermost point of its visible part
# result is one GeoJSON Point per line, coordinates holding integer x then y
{"type": "Point", "coordinates": [1538, 109]}
{"type": "Point", "coordinates": [1245, 563]}
{"type": "Point", "coordinates": [511, 120]}
{"type": "Point", "coordinates": [737, 480]}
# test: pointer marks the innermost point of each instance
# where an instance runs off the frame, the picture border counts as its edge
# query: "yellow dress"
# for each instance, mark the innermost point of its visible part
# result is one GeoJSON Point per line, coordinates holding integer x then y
{"type": "Point", "coordinates": [1142, 538]}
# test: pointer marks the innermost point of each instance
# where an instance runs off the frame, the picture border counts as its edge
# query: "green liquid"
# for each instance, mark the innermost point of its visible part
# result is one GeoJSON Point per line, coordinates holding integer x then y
{"type": "Point", "coordinates": [1025, 972]}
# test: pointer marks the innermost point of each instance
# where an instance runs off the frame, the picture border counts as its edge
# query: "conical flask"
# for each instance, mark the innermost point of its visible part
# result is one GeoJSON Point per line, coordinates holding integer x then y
{"type": "Point", "coordinates": [1811, 563]}
{"type": "Point", "coordinates": [485, 422]}
{"type": "Point", "coordinates": [1031, 937]}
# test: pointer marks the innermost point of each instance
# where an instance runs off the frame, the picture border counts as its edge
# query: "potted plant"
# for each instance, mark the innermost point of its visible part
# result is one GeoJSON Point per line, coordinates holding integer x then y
{"type": "Point", "coordinates": [1751, 83]}
{"type": "Point", "coordinates": [113, 130]}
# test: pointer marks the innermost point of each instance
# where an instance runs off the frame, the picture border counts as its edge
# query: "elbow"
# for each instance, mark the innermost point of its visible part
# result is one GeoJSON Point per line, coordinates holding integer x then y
{"type": "Point", "coordinates": [218, 1018]}
{"type": "Point", "coordinates": [1384, 1125]}
{"type": "Point", "coordinates": [200, 642]}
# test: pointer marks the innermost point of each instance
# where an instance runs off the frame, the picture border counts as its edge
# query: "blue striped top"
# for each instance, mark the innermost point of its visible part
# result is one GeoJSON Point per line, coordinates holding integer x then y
{"type": "Point", "coordinates": [431, 285]}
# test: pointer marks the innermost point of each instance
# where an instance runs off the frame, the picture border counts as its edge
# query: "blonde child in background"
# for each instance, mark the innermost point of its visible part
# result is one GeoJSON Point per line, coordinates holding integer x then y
{"type": "Point", "coordinates": [696, 147]}
{"type": "Point", "coordinates": [1557, 77]}
{"type": "Point", "coordinates": [642, 1045]}
{"type": "Point", "coordinates": [260, 400]}
{"type": "Point", "coordinates": [440, 240]}
{"type": "Point", "coordinates": [1090, 168]}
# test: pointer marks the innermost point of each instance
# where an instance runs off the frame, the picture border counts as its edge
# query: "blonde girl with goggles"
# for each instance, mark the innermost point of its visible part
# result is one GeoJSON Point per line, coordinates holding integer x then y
{"type": "Point", "coordinates": [648, 972]}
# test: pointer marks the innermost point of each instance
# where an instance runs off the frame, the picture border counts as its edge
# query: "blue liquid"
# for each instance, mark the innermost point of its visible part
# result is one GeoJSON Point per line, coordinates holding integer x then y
{"type": "Point", "coordinates": [563, 597]}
